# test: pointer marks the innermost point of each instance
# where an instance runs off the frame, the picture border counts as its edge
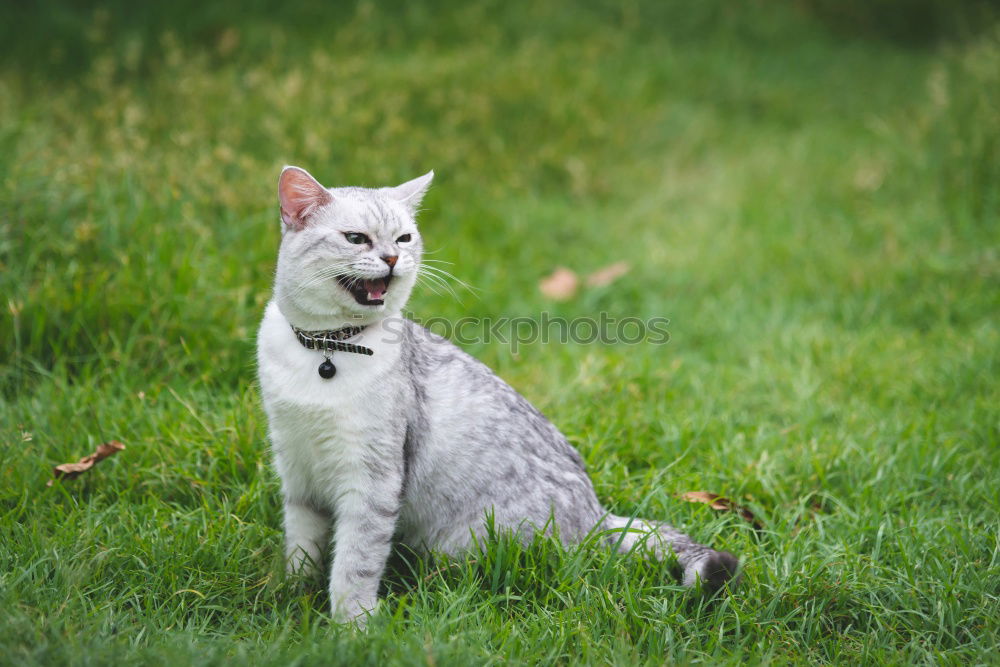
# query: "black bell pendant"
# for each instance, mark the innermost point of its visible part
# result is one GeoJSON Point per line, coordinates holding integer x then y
{"type": "Point", "coordinates": [327, 370]}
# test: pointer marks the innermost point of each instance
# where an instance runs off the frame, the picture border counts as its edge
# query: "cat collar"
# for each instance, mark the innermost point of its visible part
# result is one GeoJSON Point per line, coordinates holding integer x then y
{"type": "Point", "coordinates": [329, 342]}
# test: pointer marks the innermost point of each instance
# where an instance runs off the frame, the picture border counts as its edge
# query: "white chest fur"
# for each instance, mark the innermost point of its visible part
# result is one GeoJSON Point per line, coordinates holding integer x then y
{"type": "Point", "coordinates": [320, 427]}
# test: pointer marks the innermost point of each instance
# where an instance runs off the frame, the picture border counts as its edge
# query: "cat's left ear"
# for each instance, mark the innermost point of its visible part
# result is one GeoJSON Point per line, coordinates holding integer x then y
{"type": "Point", "coordinates": [300, 195]}
{"type": "Point", "coordinates": [412, 192]}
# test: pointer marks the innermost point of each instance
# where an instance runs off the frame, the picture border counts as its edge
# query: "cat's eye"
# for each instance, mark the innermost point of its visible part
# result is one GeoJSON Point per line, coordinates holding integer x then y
{"type": "Point", "coordinates": [405, 238]}
{"type": "Point", "coordinates": [356, 238]}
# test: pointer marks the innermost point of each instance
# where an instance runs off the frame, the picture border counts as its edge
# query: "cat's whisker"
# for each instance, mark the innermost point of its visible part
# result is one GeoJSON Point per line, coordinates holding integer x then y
{"type": "Point", "coordinates": [327, 272]}
{"type": "Point", "coordinates": [307, 285]}
{"type": "Point", "coordinates": [448, 275]}
{"type": "Point", "coordinates": [424, 282]}
{"type": "Point", "coordinates": [438, 268]}
{"type": "Point", "coordinates": [429, 271]}
{"type": "Point", "coordinates": [437, 280]}
{"type": "Point", "coordinates": [312, 280]}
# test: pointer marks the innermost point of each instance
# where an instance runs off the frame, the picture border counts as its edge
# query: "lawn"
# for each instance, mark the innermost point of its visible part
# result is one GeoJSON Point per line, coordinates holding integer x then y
{"type": "Point", "coordinates": [814, 208]}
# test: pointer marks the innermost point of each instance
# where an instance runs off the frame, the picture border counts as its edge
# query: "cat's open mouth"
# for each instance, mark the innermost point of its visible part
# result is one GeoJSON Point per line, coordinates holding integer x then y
{"type": "Point", "coordinates": [367, 292]}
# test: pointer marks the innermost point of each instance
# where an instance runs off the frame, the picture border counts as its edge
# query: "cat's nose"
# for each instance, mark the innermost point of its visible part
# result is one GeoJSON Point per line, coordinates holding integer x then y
{"type": "Point", "coordinates": [390, 260]}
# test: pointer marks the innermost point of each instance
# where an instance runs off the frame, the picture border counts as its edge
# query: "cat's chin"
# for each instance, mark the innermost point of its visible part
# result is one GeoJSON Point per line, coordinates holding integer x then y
{"type": "Point", "coordinates": [317, 317]}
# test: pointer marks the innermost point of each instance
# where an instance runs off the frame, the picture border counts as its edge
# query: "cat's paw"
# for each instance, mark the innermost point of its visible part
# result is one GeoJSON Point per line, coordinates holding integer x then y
{"type": "Point", "coordinates": [714, 572]}
{"type": "Point", "coordinates": [355, 611]}
{"type": "Point", "coordinates": [301, 563]}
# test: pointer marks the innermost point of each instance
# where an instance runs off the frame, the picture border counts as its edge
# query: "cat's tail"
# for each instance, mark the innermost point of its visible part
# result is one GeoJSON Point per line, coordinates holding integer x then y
{"type": "Point", "coordinates": [714, 569]}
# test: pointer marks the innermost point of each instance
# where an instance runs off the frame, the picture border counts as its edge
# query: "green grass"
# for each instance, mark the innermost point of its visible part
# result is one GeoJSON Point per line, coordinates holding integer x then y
{"type": "Point", "coordinates": [816, 213]}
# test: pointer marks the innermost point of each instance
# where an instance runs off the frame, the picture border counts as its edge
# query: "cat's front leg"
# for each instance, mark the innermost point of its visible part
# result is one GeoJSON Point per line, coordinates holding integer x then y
{"type": "Point", "coordinates": [307, 529]}
{"type": "Point", "coordinates": [366, 519]}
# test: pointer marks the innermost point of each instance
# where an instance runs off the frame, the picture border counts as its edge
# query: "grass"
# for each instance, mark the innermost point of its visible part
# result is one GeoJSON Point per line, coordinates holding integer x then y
{"type": "Point", "coordinates": [815, 212]}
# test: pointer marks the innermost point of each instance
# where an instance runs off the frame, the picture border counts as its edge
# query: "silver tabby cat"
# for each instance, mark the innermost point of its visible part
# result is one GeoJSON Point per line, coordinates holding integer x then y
{"type": "Point", "coordinates": [381, 429]}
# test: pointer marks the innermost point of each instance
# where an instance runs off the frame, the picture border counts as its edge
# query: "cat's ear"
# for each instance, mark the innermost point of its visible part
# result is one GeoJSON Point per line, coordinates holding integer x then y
{"type": "Point", "coordinates": [411, 192]}
{"type": "Point", "coordinates": [300, 195]}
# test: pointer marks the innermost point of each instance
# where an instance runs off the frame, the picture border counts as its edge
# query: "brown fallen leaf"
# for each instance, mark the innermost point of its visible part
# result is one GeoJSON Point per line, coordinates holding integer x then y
{"type": "Point", "coordinates": [608, 274]}
{"type": "Point", "coordinates": [70, 470]}
{"type": "Point", "coordinates": [561, 285]}
{"type": "Point", "coordinates": [717, 502]}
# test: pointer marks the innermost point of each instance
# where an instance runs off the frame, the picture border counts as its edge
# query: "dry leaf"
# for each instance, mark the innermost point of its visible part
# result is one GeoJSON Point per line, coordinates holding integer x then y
{"type": "Point", "coordinates": [561, 285]}
{"type": "Point", "coordinates": [717, 502]}
{"type": "Point", "coordinates": [608, 274]}
{"type": "Point", "coordinates": [70, 470]}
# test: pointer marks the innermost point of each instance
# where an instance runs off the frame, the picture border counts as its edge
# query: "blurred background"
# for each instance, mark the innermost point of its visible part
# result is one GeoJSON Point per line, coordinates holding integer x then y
{"type": "Point", "coordinates": [743, 158]}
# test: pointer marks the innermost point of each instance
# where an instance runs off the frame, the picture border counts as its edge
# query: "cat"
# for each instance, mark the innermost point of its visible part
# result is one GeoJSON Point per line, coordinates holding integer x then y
{"type": "Point", "coordinates": [381, 429]}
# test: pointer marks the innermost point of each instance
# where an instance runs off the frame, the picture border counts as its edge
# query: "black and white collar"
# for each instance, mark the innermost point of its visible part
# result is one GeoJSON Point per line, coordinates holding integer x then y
{"type": "Point", "coordinates": [332, 340]}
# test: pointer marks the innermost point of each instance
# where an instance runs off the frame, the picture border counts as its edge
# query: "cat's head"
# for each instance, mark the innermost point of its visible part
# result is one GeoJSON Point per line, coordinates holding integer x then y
{"type": "Point", "coordinates": [348, 255]}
